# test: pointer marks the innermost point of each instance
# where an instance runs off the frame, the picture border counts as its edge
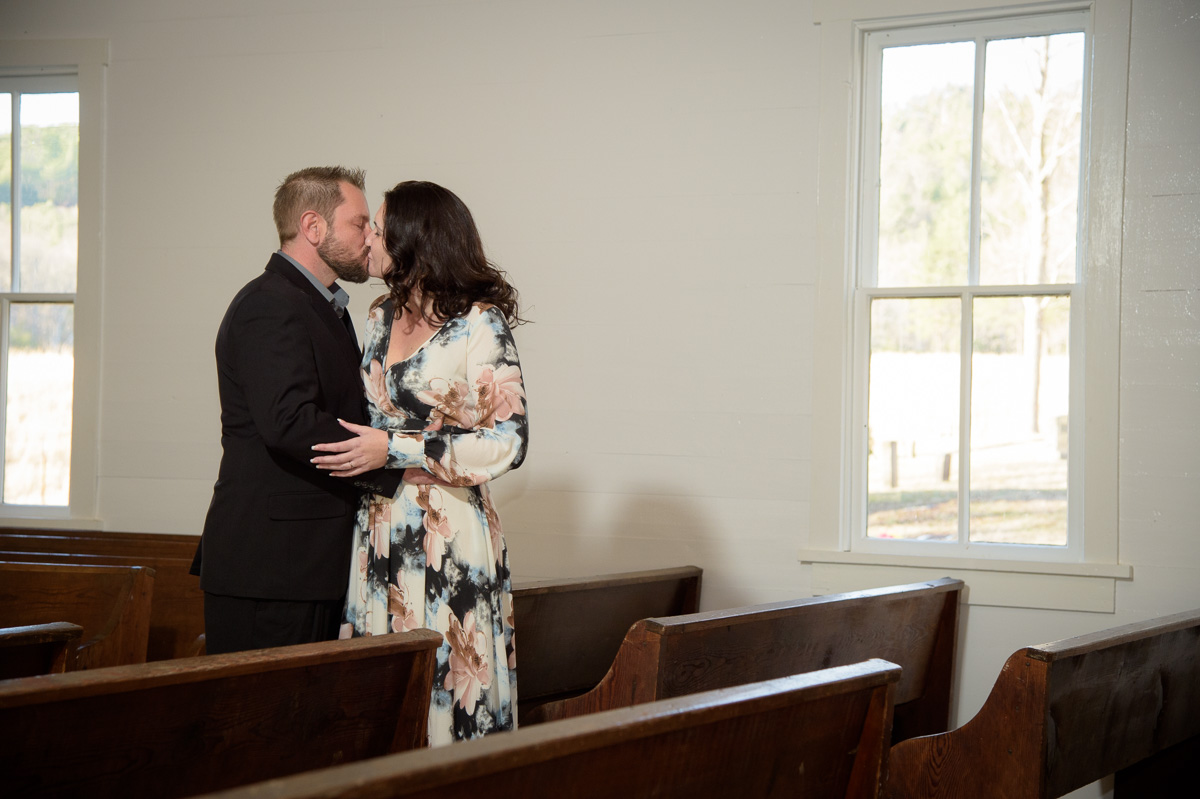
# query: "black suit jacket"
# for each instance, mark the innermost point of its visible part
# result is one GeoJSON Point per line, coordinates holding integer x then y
{"type": "Point", "coordinates": [287, 369]}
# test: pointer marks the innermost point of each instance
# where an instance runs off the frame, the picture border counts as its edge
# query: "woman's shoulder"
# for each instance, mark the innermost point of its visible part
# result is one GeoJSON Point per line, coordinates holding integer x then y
{"type": "Point", "coordinates": [380, 310]}
{"type": "Point", "coordinates": [485, 311]}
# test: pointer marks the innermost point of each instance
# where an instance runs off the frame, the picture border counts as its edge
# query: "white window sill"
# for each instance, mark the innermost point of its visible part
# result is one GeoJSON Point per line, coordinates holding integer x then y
{"type": "Point", "coordinates": [998, 583]}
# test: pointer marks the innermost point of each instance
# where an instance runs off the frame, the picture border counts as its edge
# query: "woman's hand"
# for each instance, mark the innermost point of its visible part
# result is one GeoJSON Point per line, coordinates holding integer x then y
{"type": "Point", "coordinates": [366, 451]}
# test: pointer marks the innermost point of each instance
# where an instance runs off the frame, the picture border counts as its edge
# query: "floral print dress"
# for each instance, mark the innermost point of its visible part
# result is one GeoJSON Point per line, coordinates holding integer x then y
{"type": "Point", "coordinates": [434, 556]}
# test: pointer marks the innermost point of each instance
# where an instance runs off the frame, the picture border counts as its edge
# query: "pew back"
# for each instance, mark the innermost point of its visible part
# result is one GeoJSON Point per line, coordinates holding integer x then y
{"type": "Point", "coordinates": [93, 542]}
{"type": "Point", "coordinates": [180, 727]}
{"type": "Point", "coordinates": [822, 734]}
{"type": "Point", "coordinates": [570, 629]}
{"type": "Point", "coordinates": [913, 625]}
{"type": "Point", "coordinates": [111, 604]}
{"type": "Point", "coordinates": [177, 614]}
{"type": "Point", "coordinates": [35, 649]}
{"type": "Point", "coordinates": [1065, 714]}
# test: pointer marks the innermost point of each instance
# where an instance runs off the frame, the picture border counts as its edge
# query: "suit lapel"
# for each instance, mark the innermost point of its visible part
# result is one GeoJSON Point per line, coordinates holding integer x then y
{"type": "Point", "coordinates": [341, 328]}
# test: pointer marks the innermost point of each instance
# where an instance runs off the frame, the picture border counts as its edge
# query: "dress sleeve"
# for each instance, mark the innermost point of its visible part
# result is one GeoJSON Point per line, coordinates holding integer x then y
{"type": "Point", "coordinates": [479, 430]}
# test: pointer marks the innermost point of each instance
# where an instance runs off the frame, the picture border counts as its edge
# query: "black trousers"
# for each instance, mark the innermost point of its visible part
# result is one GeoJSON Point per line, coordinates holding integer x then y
{"type": "Point", "coordinates": [235, 624]}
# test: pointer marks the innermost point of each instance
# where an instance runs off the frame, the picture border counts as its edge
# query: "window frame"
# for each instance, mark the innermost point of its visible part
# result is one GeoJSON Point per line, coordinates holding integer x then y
{"type": "Point", "coordinates": [87, 60]}
{"type": "Point", "coordinates": [874, 40]}
{"type": "Point", "coordinates": [842, 26]}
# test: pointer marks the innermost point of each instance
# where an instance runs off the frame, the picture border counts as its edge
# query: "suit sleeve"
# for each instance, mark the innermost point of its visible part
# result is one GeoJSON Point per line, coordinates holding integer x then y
{"type": "Point", "coordinates": [277, 369]}
{"type": "Point", "coordinates": [498, 434]}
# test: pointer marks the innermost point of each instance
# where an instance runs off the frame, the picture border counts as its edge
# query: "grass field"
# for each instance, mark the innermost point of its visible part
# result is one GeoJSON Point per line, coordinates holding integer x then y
{"type": "Point", "coordinates": [37, 441]}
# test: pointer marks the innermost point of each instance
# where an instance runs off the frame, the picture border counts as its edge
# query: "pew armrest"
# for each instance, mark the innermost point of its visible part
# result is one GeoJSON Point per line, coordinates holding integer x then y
{"type": "Point", "coordinates": [36, 649]}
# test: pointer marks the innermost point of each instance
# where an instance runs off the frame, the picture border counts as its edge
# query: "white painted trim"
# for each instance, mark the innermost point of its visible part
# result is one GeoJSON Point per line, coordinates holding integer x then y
{"type": "Point", "coordinates": [1007, 589]}
{"type": "Point", "coordinates": [1094, 441]}
{"type": "Point", "coordinates": [90, 58]}
{"type": "Point", "coordinates": [1097, 438]}
{"type": "Point", "coordinates": [1112, 571]}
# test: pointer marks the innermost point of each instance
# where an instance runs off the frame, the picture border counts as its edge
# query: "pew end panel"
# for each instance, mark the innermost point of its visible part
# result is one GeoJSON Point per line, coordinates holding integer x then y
{"type": "Point", "coordinates": [569, 631]}
{"type": "Point", "coordinates": [37, 649]}
{"type": "Point", "coordinates": [180, 727]}
{"type": "Point", "coordinates": [822, 734]}
{"type": "Point", "coordinates": [1065, 714]}
{"type": "Point", "coordinates": [111, 603]}
{"type": "Point", "coordinates": [914, 625]}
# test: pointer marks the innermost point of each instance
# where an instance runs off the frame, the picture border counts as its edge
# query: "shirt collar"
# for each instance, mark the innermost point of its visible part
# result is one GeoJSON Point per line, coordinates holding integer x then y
{"type": "Point", "coordinates": [336, 295]}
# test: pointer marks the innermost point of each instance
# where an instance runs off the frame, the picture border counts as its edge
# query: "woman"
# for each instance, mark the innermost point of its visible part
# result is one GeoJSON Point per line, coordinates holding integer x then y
{"type": "Point", "coordinates": [447, 405]}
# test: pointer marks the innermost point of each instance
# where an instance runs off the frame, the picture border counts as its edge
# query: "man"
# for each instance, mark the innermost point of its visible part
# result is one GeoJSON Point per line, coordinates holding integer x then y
{"type": "Point", "coordinates": [274, 557]}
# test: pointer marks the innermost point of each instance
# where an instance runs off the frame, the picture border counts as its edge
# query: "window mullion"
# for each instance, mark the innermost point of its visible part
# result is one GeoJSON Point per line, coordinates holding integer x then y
{"type": "Point", "coordinates": [5, 304]}
{"type": "Point", "coordinates": [966, 348]}
{"type": "Point", "coordinates": [15, 184]}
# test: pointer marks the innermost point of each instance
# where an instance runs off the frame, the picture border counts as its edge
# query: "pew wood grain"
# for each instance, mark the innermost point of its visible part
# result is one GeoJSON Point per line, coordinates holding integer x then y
{"type": "Point", "coordinates": [35, 649]}
{"type": "Point", "coordinates": [192, 725]}
{"type": "Point", "coordinates": [569, 630]}
{"type": "Point", "coordinates": [1065, 714]}
{"type": "Point", "coordinates": [913, 625]}
{"type": "Point", "coordinates": [177, 614]}
{"type": "Point", "coordinates": [111, 603]}
{"type": "Point", "coordinates": [821, 734]}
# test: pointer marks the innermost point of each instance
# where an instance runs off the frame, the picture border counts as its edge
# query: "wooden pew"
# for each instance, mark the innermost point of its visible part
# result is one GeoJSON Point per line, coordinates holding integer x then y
{"type": "Point", "coordinates": [177, 615]}
{"type": "Point", "coordinates": [821, 734]}
{"type": "Point", "coordinates": [569, 630]}
{"type": "Point", "coordinates": [913, 625]}
{"type": "Point", "coordinates": [37, 649]}
{"type": "Point", "coordinates": [111, 604]}
{"type": "Point", "coordinates": [180, 727]}
{"type": "Point", "coordinates": [98, 542]}
{"type": "Point", "coordinates": [1065, 714]}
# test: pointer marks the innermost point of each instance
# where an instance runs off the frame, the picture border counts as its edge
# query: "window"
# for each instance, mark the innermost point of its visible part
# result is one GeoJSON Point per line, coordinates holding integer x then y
{"type": "Point", "coordinates": [968, 270]}
{"type": "Point", "coordinates": [51, 146]}
{"type": "Point", "coordinates": [39, 245]}
{"type": "Point", "coordinates": [1083, 305]}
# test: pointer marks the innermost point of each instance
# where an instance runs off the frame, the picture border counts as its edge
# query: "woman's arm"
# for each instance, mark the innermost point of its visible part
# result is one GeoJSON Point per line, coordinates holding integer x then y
{"type": "Point", "coordinates": [493, 405]}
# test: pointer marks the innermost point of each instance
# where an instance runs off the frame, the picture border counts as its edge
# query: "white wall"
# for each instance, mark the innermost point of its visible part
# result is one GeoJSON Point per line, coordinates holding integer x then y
{"type": "Point", "coordinates": [646, 171]}
{"type": "Point", "coordinates": [643, 170]}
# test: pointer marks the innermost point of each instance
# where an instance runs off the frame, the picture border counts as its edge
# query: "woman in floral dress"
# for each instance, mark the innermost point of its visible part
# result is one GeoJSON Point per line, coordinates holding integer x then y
{"type": "Point", "coordinates": [447, 405]}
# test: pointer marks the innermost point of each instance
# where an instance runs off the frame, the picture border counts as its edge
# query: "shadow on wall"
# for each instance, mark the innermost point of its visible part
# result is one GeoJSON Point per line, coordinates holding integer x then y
{"type": "Point", "coordinates": [558, 528]}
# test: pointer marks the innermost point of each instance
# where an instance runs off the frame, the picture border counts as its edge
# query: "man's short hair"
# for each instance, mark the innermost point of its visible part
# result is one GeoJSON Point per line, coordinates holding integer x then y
{"type": "Point", "coordinates": [317, 188]}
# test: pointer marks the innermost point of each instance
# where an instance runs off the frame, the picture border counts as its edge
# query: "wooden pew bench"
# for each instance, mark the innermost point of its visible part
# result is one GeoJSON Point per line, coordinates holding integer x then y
{"type": "Point", "coordinates": [98, 542]}
{"type": "Point", "coordinates": [569, 630]}
{"type": "Point", "coordinates": [1065, 714]}
{"type": "Point", "coordinates": [35, 649]}
{"type": "Point", "coordinates": [111, 604]}
{"type": "Point", "coordinates": [177, 614]}
{"type": "Point", "coordinates": [821, 734]}
{"type": "Point", "coordinates": [180, 727]}
{"type": "Point", "coordinates": [912, 625]}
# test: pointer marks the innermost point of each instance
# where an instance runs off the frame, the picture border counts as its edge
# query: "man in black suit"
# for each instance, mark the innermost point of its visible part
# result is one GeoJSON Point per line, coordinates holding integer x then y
{"type": "Point", "coordinates": [274, 557]}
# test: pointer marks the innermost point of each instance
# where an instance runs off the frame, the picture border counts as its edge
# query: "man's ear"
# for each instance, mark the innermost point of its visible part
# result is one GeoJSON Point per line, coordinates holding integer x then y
{"type": "Point", "coordinates": [312, 227]}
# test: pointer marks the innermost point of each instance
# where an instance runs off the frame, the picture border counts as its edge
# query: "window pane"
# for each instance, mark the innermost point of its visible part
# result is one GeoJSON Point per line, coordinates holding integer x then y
{"type": "Point", "coordinates": [49, 191]}
{"type": "Point", "coordinates": [912, 419]}
{"type": "Point", "coordinates": [1031, 147]}
{"type": "Point", "coordinates": [37, 441]}
{"type": "Point", "coordinates": [925, 164]}
{"type": "Point", "coordinates": [1019, 403]}
{"type": "Point", "coordinates": [5, 191]}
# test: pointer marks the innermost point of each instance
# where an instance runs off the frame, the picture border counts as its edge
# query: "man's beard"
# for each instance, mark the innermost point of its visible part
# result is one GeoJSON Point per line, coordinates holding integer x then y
{"type": "Point", "coordinates": [345, 263]}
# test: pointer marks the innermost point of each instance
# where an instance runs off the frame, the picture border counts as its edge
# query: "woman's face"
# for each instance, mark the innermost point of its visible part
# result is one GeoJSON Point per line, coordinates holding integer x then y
{"type": "Point", "coordinates": [379, 263]}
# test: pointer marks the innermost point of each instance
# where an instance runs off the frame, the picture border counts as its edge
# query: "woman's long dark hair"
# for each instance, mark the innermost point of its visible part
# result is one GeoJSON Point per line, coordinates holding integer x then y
{"type": "Point", "coordinates": [437, 254]}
